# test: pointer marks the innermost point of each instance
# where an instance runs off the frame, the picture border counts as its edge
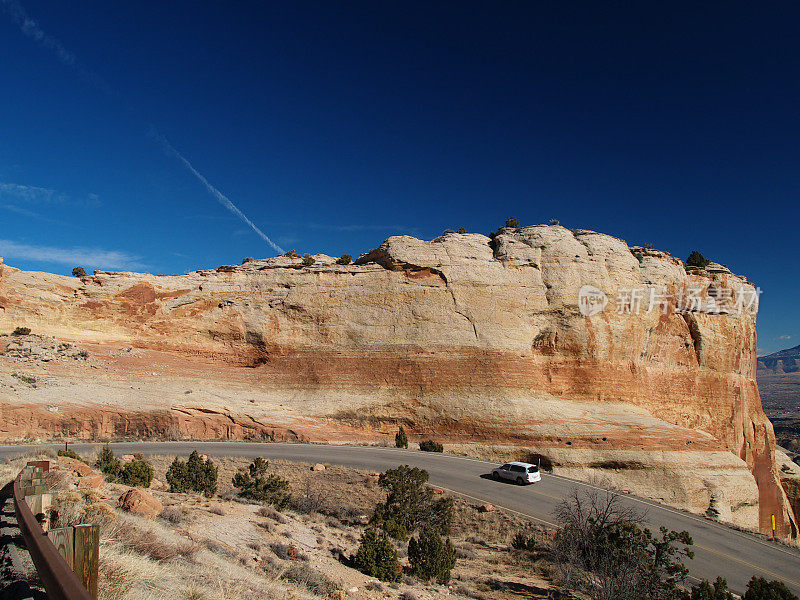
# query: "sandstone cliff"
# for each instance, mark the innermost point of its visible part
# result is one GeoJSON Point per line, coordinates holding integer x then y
{"type": "Point", "coordinates": [479, 342]}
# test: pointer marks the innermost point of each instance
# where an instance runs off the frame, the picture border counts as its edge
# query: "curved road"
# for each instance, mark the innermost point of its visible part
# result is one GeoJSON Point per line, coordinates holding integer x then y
{"type": "Point", "coordinates": [719, 550]}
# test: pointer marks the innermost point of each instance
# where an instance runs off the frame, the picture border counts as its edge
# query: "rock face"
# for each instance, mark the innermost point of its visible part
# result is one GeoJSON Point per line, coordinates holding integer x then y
{"type": "Point", "coordinates": [466, 339]}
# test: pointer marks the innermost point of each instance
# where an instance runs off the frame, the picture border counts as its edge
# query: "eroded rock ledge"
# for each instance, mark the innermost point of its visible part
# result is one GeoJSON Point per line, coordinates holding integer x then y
{"type": "Point", "coordinates": [471, 339]}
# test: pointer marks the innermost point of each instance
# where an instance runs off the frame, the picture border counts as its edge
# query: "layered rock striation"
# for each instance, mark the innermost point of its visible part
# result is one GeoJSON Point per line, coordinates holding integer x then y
{"type": "Point", "coordinates": [481, 342]}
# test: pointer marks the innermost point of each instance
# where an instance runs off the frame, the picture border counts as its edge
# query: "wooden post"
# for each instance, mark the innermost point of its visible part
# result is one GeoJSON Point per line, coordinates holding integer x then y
{"type": "Point", "coordinates": [43, 516]}
{"type": "Point", "coordinates": [87, 556]}
{"type": "Point", "coordinates": [64, 541]}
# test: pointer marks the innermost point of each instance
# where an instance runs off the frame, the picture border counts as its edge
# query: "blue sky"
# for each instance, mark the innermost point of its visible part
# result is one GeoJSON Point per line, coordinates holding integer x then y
{"type": "Point", "coordinates": [334, 125]}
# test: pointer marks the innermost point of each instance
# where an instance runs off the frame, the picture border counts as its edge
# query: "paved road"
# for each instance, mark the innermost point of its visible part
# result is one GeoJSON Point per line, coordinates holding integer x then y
{"type": "Point", "coordinates": [719, 550]}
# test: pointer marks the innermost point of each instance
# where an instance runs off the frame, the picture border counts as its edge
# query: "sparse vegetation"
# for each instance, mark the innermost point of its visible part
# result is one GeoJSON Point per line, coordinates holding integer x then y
{"type": "Point", "coordinates": [555, 222]}
{"type": "Point", "coordinates": [257, 485]}
{"type": "Point", "coordinates": [344, 259]}
{"type": "Point", "coordinates": [512, 222]}
{"type": "Point", "coordinates": [697, 260]}
{"type": "Point", "coordinates": [292, 254]}
{"type": "Point", "coordinates": [431, 446]}
{"type": "Point", "coordinates": [377, 557]}
{"type": "Point", "coordinates": [708, 591]}
{"type": "Point", "coordinates": [21, 331]}
{"type": "Point", "coordinates": [400, 438]}
{"type": "Point", "coordinates": [108, 464]}
{"type": "Point", "coordinates": [461, 230]}
{"type": "Point", "coordinates": [194, 475]}
{"type": "Point", "coordinates": [602, 551]}
{"type": "Point", "coordinates": [78, 272]}
{"type": "Point", "coordinates": [758, 588]}
{"type": "Point", "coordinates": [431, 557]}
{"type": "Point", "coordinates": [70, 454]}
{"type": "Point", "coordinates": [247, 260]}
{"type": "Point", "coordinates": [410, 504]}
{"type": "Point", "coordinates": [308, 260]}
{"type": "Point", "coordinates": [524, 541]}
{"type": "Point", "coordinates": [313, 580]}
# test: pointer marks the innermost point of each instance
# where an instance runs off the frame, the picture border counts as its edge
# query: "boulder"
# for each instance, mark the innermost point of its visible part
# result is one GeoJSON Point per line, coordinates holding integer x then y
{"type": "Point", "coordinates": [486, 508]}
{"type": "Point", "coordinates": [140, 503]}
{"type": "Point", "coordinates": [318, 467]}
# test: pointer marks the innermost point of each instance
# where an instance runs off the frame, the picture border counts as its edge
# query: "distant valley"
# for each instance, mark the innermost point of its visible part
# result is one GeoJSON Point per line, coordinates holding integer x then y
{"type": "Point", "coordinates": [779, 383]}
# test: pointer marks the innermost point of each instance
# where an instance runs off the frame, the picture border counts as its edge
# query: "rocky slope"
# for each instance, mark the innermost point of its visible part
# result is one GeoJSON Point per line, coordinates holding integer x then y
{"type": "Point", "coordinates": [478, 342]}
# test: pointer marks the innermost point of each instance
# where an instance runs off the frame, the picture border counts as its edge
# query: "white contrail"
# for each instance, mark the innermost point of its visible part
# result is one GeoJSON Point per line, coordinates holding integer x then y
{"type": "Point", "coordinates": [31, 29]}
{"type": "Point", "coordinates": [222, 198]}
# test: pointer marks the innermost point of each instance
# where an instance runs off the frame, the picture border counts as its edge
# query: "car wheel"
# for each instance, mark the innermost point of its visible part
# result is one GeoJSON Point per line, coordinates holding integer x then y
{"type": "Point", "coordinates": [495, 475]}
{"type": "Point", "coordinates": [520, 481]}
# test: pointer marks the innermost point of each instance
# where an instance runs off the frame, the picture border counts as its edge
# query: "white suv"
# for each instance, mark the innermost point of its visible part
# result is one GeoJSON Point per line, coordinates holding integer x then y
{"type": "Point", "coordinates": [518, 472]}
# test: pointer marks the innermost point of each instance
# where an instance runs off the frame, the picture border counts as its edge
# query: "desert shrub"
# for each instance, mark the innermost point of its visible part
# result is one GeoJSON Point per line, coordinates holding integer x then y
{"type": "Point", "coordinates": [70, 454]}
{"type": "Point", "coordinates": [247, 260]}
{"type": "Point", "coordinates": [79, 272]}
{"type": "Point", "coordinates": [523, 541]}
{"type": "Point", "coordinates": [308, 260]}
{"type": "Point", "coordinates": [410, 504]}
{"type": "Point", "coordinates": [555, 222]}
{"type": "Point", "coordinates": [759, 588]}
{"type": "Point", "coordinates": [401, 439]}
{"type": "Point", "coordinates": [697, 260]}
{"type": "Point", "coordinates": [271, 513]}
{"type": "Point", "coordinates": [173, 514]}
{"type": "Point", "coordinates": [291, 254]}
{"type": "Point", "coordinates": [344, 259]}
{"type": "Point", "coordinates": [257, 485]}
{"type": "Point", "coordinates": [461, 230]}
{"type": "Point", "coordinates": [431, 446]}
{"type": "Point", "coordinates": [137, 473]}
{"type": "Point", "coordinates": [545, 462]}
{"type": "Point", "coordinates": [21, 331]}
{"type": "Point", "coordinates": [601, 550]}
{"type": "Point", "coordinates": [313, 580]}
{"type": "Point", "coordinates": [431, 557]}
{"type": "Point", "coordinates": [512, 222]}
{"type": "Point", "coordinates": [149, 543]}
{"type": "Point", "coordinates": [708, 591]}
{"type": "Point", "coordinates": [194, 475]}
{"type": "Point", "coordinates": [108, 464]}
{"type": "Point", "coordinates": [377, 557]}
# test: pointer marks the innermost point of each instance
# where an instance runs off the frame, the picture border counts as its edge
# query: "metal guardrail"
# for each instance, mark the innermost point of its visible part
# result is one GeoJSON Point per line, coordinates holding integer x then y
{"type": "Point", "coordinates": [56, 575]}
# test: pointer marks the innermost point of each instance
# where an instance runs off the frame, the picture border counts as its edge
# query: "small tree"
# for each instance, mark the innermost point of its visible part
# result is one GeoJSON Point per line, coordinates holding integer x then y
{"type": "Point", "coordinates": [697, 260]}
{"type": "Point", "coordinates": [108, 463]}
{"type": "Point", "coordinates": [344, 259]}
{"type": "Point", "coordinates": [247, 260]}
{"type": "Point", "coordinates": [707, 591]}
{"type": "Point", "coordinates": [377, 557]}
{"type": "Point", "coordinates": [512, 222]}
{"type": "Point", "coordinates": [461, 230]}
{"type": "Point", "coordinates": [759, 588]}
{"type": "Point", "coordinates": [137, 473]}
{"type": "Point", "coordinates": [431, 446]}
{"type": "Point", "coordinates": [555, 222]}
{"type": "Point", "coordinates": [78, 272]}
{"type": "Point", "coordinates": [431, 557]}
{"type": "Point", "coordinates": [410, 504]}
{"type": "Point", "coordinates": [194, 475]}
{"type": "Point", "coordinates": [308, 260]}
{"type": "Point", "coordinates": [256, 485]}
{"type": "Point", "coordinates": [401, 439]}
{"type": "Point", "coordinates": [21, 331]}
